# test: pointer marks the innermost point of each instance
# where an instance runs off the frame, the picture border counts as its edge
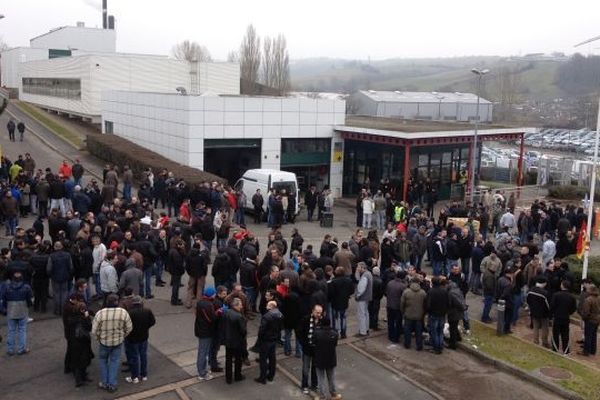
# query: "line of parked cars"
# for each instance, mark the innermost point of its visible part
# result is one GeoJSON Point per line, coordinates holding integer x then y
{"type": "Point", "coordinates": [579, 141]}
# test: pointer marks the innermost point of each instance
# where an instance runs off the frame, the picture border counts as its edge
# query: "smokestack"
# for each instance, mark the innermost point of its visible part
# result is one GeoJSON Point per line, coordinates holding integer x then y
{"type": "Point", "coordinates": [111, 22]}
{"type": "Point", "coordinates": [104, 14]}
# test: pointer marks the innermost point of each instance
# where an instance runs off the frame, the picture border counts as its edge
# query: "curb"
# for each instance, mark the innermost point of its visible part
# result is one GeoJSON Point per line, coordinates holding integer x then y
{"type": "Point", "coordinates": [520, 373]}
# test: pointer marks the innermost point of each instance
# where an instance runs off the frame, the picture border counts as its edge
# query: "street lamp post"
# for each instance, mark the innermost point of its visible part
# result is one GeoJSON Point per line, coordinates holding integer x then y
{"type": "Point", "coordinates": [480, 73]}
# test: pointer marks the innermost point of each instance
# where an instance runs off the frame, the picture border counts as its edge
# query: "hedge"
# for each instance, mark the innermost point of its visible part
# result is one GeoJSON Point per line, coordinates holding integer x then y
{"type": "Point", "coordinates": [570, 192]}
{"type": "Point", "coordinates": [576, 267]}
{"type": "Point", "coordinates": [118, 151]}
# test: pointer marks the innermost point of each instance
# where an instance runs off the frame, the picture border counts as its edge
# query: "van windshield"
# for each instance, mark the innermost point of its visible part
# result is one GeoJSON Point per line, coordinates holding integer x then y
{"type": "Point", "coordinates": [290, 187]}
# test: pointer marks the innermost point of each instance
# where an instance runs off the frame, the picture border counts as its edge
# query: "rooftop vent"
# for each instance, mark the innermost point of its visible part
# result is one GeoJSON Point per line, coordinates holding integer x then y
{"type": "Point", "coordinates": [80, 24]}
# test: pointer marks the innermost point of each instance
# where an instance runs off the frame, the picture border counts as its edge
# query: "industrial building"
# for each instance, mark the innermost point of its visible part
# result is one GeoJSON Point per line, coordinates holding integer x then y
{"type": "Point", "coordinates": [377, 148]}
{"type": "Point", "coordinates": [436, 106]}
{"type": "Point", "coordinates": [67, 69]}
{"type": "Point", "coordinates": [227, 135]}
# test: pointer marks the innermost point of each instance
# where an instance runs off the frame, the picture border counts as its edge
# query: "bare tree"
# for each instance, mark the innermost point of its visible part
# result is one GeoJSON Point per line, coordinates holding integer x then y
{"type": "Point", "coordinates": [276, 64]}
{"type": "Point", "coordinates": [508, 86]}
{"type": "Point", "coordinates": [3, 44]}
{"type": "Point", "coordinates": [191, 51]}
{"type": "Point", "coordinates": [281, 65]}
{"type": "Point", "coordinates": [249, 60]}
{"type": "Point", "coordinates": [233, 56]}
{"type": "Point", "coordinates": [268, 62]}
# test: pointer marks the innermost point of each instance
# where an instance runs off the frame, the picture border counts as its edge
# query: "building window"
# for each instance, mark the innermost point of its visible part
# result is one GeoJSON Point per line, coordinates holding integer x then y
{"type": "Point", "coordinates": [55, 87]}
{"type": "Point", "coordinates": [108, 127]}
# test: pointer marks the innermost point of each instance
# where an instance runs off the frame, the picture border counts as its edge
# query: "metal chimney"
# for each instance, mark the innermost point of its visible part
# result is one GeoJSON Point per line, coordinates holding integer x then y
{"type": "Point", "coordinates": [104, 14]}
{"type": "Point", "coordinates": [111, 22]}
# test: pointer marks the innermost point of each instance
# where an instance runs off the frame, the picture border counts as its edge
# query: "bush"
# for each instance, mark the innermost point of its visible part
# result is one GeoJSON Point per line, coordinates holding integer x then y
{"type": "Point", "coordinates": [118, 151]}
{"type": "Point", "coordinates": [569, 192]}
{"type": "Point", "coordinates": [576, 267]}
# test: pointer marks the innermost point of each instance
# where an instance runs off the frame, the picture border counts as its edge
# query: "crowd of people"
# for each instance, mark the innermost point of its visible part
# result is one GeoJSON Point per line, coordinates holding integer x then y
{"type": "Point", "coordinates": [102, 253]}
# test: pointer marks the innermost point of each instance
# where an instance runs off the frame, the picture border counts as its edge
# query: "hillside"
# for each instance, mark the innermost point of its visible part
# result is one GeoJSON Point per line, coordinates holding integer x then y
{"type": "Point", "coordinates": [533, 79]}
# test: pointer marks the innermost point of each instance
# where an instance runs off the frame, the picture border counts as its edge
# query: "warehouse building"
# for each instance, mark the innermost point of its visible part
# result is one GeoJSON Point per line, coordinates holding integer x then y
{"type": "Point", "coordinates": [226, 135]}
{"type": "Point", "coordinates": [436, 106]}
{"type": "Point", "coordinates": [67, 69]}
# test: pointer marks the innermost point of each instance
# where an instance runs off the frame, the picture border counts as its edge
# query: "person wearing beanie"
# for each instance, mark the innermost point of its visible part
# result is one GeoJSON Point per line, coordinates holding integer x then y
{"type": "Point", "coordinates": [539, 309]}
{"type": "Point", "coordinates": [204, 330]}
{"type": "Point", "coordinates": [136, 343]}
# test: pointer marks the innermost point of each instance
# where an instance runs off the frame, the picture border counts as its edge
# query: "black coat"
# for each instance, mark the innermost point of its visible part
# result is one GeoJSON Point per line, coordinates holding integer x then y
{"type": "Point", "coordinates": [221, 269]}
{"type": "Point", "coordinates": [291, 310]}
{"type": "Point", "coordinates": [437, 302]}
{"type": "Point", "coordinates": [205, 324]}
{"type": "Point", "coordinates": [79, 348]}
{"type": "Point", "coordinates": [538, 302]}
{"type": "Point", "coordinates": [562, 306]}
{"type": "Point", "coordinates": [270, 326]}
{"type": "Point", "coordinates": [142, 320]}
{"type": "Point", "coordinates": [325, 339]}
{"type": "Point", "coordinates": [340, 290]}
{"type": "Point", "coordinates": [377, 288]}
{"type": "Point", "coordinates": [235, 330]}
{"type": "Point", "coordinates": [175, 263]}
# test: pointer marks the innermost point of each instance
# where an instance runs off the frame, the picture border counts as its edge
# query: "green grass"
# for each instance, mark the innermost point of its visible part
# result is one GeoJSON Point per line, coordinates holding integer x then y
{"type": "Point", "coordinates": [49, 123]}
{"type": "Point", "coordinates": [584, 381]}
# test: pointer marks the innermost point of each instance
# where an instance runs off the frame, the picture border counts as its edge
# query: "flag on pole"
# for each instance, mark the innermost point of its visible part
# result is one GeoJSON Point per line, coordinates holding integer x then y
{"type": "Point", "coordinates": [582, 240]}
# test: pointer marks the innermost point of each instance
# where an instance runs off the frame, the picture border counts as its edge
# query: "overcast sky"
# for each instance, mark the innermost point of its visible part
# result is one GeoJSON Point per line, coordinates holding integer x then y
{"type": "Point", "coordinates": [347, 29]}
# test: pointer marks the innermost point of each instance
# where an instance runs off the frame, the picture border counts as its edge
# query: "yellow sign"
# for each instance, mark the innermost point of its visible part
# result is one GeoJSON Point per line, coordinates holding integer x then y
{"type": "Point", "coordinates": [338, 156]}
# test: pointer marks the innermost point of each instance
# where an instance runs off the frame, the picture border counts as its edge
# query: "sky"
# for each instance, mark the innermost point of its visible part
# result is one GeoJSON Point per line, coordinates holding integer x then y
{"type": "Point", "coordinates": [350, 29]}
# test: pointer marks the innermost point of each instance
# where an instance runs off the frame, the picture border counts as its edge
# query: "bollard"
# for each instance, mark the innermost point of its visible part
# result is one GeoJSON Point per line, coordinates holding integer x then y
{"type": "Point", "coordinates": [500, 310]}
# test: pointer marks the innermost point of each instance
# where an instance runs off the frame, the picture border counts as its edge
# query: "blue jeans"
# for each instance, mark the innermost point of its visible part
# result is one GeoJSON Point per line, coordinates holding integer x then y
{"type": "Point", "coordinates": [439, 267]}
{"type": "Point", "coordinates": [341, 315]}
{"type": "Point", "coordinates": [415, 326]}
{"type": "Point", "coordinates": [203, 353]}
{"type": "Point", "coordinates": [250, 293]}
{"type": "Point", "coordinates": [287, 343]}
{"type": "Point", "coordinates": [394, 321]}
{"type": "Point", "coordinates": [221, 243]}
{"type": "Point", "coordinates": [240, 218]}
{"type": "Point", "coordinates": [517, 301]}
{"type": "Point", "coordinates": [127, 191]}
{"type": "Point", "coordinates": [16, 328]}
{"type": "Point", "coordinates": [109, 357]}
{"type": "Point", "coordinates": [381, 223]}
{"type": "Point", "coordinates": [147, 280]}
{"type": "Point", "coordinates": [488, 301]}
{"type": "Point", "coordinates": [160, 267]}
{"type": "Point", "coordinates": [137, 357]}
{"type": "Point", "coordinates": [97, 284]}
{"type": "Point", "coordinates": [11, 225]}
{"type": "Point", "coordinates": [436, 332]}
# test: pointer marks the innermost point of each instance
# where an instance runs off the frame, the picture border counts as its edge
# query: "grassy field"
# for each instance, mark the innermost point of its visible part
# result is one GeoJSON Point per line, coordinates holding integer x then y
{"type": "Point", "coordinates": [57, 128]}
{"type": "Point", "coordinates": [584, 381]}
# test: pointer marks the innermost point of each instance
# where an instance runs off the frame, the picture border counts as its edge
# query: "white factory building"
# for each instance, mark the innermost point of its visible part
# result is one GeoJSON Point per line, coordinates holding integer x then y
{"type": "Point", "coordinates": [227, 135]}
{"type": "Point", "coordinates": [67, 69]}
{"type": "Point", "coordinates": [437, 106]}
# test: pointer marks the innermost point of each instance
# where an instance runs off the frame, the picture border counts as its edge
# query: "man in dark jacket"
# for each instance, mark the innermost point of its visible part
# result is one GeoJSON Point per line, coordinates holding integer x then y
{"type": "Point", "coordinates": [235, 340]}
{"type": "Point", "coordinates": [268, 335]}
{"type": "Point", "coordinates": [60, 271]}
{"type": "Point", "coordinates": [539, 309]}
{"type": "Point", "coordinates": [10, 126]}
{"type": "Point", "coordinates": [339, 291]}
{"type": "Point", "coordinates": [136, 343]}
{"type": "Point", "coordinates": [310, 200]}
{"type": "Point", "coordinates": [148, 251]}
{"type": "Point", "coordinates": [306, 331]}
{"type": "Point", "coordinates": [325, 339]}
{"type": "Point", "coordinates": [393, 293]}
{"type": "Point", "coordinates": [204, 329]}
{"type": "Point", "coordinates": [562, 306]}
{"type": "Point", "coordinates": [257, 202]}
{"type": "Point", "coordinates": [456, 310]}
{"type": "Point", "coordinates": [175, 266]}
{"type": "Point", "coordinates": [249, 279]}
{"type": "Point", "coordinates": [291, 318]}
{"type": "Point", "coordinates": [21, 129]}
{"type": "Point", "coordinates": [375, 302]}
{"type": "Point", "coordinates": [436, 305]}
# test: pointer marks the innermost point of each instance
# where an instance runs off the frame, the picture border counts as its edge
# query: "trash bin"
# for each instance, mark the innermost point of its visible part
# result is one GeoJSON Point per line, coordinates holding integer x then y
{"type": "Point", "coordinates": [327, 220]}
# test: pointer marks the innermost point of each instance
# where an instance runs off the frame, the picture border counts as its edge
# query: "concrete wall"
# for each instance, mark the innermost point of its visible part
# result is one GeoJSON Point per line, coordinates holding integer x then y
{"type": "Point", "coordinates": [78, 38]}
{"type": "Point", "coordinates": [176, 126]}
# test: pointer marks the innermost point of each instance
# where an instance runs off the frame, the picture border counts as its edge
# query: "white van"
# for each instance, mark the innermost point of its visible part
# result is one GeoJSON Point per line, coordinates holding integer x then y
{"type": "Point", "coordinates": [264, 179]}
